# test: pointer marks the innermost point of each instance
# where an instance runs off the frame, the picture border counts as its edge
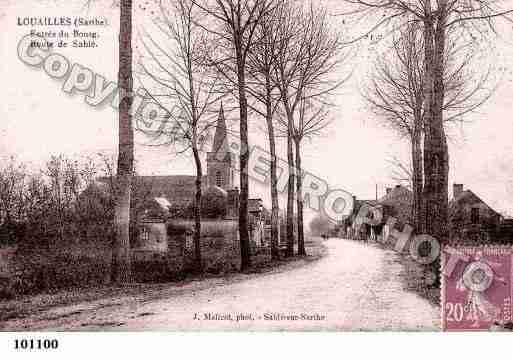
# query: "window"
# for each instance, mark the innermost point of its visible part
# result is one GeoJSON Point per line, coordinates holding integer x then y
{"type": "Point", "coordinates": [474, 215]}
{"type": "Point", "coordinates": [219, 179]}
{"type": "Point", "coordinates": [145, 234]}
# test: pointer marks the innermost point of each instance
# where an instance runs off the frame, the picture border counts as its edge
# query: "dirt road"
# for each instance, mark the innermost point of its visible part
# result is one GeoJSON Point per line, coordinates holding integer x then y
{"type": "Point", "coordinates": [355, 287]}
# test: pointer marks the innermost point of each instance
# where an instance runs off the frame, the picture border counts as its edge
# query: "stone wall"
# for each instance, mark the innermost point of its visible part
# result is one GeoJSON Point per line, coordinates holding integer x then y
{"type": "Point", "coordinates": [219, 245]}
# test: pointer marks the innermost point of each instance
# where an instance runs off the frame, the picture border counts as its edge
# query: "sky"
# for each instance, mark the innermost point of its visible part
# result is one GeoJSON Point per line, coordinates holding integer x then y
{"type": "Point", "coordinates": [39, 120]}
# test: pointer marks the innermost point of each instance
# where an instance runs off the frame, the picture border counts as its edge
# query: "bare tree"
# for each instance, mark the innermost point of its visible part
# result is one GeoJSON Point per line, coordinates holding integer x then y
{"type": "Point", "coordinates": [311, 120]}
{"type": "Point", "coordinates": [180, 83]}
{"type": "Point", "coordinates": [396, 94]}
{"type": "Point", "coordinates": [263, 90]}
{"type": "Point", "coordinates": [234, 22]}
{"type": "Point", "coordinates": [471, 18]}
{"type": "Point", "coordinates": [12, 184]}
{"type": "Point", "coordinates": [401, 172]}
{"type": "Point", "coordinates": [65, 182]}
{"type": "Point", "coordinates": [307, 57]}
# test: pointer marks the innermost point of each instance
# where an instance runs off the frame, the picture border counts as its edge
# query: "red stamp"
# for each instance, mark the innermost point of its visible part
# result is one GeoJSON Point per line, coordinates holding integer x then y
{"type": "Point", "coordinates": [476, 288]}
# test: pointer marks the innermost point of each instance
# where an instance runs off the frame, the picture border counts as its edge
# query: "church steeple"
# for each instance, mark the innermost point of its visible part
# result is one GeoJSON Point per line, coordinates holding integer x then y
{"type": "Point", "coordinates": [220, 162]}
{"type": "Point", "coordinates": [220, 141]}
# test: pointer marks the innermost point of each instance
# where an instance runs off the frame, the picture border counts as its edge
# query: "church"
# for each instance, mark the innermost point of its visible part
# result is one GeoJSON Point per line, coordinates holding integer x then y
{"type": "Point", "coordinates": [221, 178]}
{"type": "Point", "coordinates": [156, 195]}
{"type": "Point", "coordinates": [179, 190]}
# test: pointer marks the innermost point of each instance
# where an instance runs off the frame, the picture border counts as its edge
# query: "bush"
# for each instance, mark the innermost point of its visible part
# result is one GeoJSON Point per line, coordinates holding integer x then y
{"type": "Point", "coordinates": [48, 271]}
{"type": "Point", "coordinates": [156, 269]}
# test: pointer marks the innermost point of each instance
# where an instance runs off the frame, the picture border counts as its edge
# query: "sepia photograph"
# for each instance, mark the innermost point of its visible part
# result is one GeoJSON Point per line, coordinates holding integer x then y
{"type": "Point", "coordinates": [200, 166]}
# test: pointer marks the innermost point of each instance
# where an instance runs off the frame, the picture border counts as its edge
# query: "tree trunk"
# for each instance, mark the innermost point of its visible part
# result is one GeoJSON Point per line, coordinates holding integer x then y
{"type": "Point", "coordinates": [199, 170]}
{"type": "Point", "coordinates": [435, 196]}
{"type": "Point", "coordinates": [442, 154]}
{"type": "Point", "coordinates": [418, 172]}
{"type": "Point", "coordinates": [290, 190]}
{"type": "Point", "coordinates": [299, 200]}
{"type": "Point", "coordinates": [197, 210]}
{"type": "Point", "coordinates": [428, 118]}
{"type": "Point", "coordinates": [275, 220]}
{"type": "Point", "coordinates": [244, 157]}
{"type": "Point", "coordinates": [121, 257]}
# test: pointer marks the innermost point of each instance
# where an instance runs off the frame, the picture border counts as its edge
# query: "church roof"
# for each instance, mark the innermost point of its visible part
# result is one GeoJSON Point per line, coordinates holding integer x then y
{"type": "Point", "coordinates": [220, 142]}
{"type": "Point", "coordinates": [175, 189]}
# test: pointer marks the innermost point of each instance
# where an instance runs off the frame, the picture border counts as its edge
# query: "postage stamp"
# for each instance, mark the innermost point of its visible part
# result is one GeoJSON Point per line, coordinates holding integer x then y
{"type": "Point", "coordinates": [476, 288]}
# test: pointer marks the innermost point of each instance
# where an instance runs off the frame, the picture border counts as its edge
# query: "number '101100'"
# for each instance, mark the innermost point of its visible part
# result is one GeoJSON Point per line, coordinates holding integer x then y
{"type": "Point", "coordinates": [36, 344]}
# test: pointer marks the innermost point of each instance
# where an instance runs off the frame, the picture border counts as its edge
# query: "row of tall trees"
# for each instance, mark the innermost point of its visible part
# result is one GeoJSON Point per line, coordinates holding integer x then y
{"type": "Point", "coordinates": [428, 80]}
{"type": "Point", "coordinates": [272, 59]}
{"type": "Point", "coordinates": [306, 61]}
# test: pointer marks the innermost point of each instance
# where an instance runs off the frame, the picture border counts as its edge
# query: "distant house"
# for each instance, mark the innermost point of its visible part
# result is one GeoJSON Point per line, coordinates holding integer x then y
{"type": "Point", "coordinates": [397, 202]}
{"type": "Point", "coordinates": [348, 226]}
{"type": "Point", "coordinates": [470, 218]}
{"type": "Point", "coordinates": [151, 229]}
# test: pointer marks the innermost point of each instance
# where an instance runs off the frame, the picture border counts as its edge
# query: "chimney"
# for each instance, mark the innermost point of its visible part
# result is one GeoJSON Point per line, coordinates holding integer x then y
{"type": "Point", "coordinates": [388, 190]}
{"type": "Point", "coordinates": [457, 189]}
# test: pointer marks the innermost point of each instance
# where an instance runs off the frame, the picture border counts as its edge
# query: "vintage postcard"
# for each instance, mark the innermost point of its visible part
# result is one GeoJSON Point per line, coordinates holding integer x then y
{"type": "Point", "coordinates": [255, 165]}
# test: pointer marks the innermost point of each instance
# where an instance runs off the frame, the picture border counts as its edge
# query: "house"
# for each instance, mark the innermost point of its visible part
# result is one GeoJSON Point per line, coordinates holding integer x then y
{"type": "Point", "coordinates": [349, 226]}
{"type": "Point", "coordinates": [470, 218]}
{"type": "Point", "coordinates": [152, 231]}
{"type": "Point", "coordinates": [397, 202]}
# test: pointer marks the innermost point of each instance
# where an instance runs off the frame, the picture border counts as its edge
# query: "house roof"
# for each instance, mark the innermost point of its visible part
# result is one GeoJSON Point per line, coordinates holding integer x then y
{"type": "Point", "coordinates": [358, 203]}
{"type": "Point", "coordinates": [400, 201]}
{"type": "Point", "coordinates": [398, 193]}
{"type": "Point", "coordinates": [467, 196]}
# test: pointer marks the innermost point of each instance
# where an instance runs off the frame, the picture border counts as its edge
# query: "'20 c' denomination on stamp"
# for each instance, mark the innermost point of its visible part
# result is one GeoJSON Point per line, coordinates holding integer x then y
{"type": "Point", "coordinates": [476, 288]}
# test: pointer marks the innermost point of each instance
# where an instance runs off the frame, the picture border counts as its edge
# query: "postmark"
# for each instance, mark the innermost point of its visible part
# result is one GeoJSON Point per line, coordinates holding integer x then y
{"type": "Point", "coordinates": [476, 288]}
